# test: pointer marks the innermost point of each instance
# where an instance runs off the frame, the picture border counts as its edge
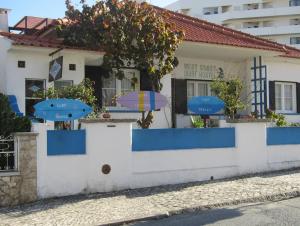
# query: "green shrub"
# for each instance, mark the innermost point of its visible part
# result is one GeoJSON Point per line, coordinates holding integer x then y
{"type": "Point", "coordinates": [197, 122]}
{"type": "Point", "coordinates": [230, 91]}
{"type": "Point", "coordinates": [9, 121]}
{"type": "Point", "coordinates": [279, 119]}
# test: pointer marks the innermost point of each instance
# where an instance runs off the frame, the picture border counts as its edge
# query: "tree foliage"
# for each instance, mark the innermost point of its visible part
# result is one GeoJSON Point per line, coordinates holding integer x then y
{"type": "Point", "coordinates": [229, 91]}
{"type": "Point", "coordinates": [9, 121]}
{"type": "Point", "coordinates": [130, 35]}
{"type": "Point", "coordinates": [84, 91]}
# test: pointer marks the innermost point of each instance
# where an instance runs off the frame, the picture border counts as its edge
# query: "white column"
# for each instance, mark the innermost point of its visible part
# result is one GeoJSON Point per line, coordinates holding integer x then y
{"type": "Point", "coordinates": [251, 147]}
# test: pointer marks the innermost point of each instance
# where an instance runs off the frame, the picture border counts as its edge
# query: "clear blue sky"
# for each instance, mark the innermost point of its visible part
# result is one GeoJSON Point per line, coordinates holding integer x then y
{"type": "Point", "coordinates": [46, 8]}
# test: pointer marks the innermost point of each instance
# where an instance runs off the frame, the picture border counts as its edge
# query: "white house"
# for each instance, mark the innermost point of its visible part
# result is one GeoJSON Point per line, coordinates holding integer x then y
{"type": "Point", "coordinates": [277, 20]}
{"type": "Point", "coordinates": [271, 71]}
{"type": "Point", "coordinates": [108, 155]}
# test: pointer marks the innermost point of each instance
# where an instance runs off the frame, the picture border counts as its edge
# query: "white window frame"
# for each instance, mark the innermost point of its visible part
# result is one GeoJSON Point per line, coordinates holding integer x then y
{"type": "Point", "coordinates": [33, 98]}
{"type": "Point", "coordinates": [71, 83]}
{"type": "Point", "coordinates": [195, 83]}
{"type": "Point", "coordinates": [294, 97]}
{"type": "Point", "coordinates": [128, 72]}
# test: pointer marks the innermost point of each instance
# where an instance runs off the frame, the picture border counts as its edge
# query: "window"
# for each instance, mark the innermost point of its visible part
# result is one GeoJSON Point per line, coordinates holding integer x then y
{"type": "Point", "coordinates": [251, 6]}
{"type": "Point", "coordinates": [32, 86]}
{"type": "Point", "coordinates": [198, 88]}
{"type": "Point", "coordinates": [210, 10]}
{"type": "Point", "coordinates": [295, 21]}
{"type": "Point", "coordinates": [294, 2]}
{"type": "Point", "coordinates": [113, 87]}
{"type": "Point", "coordinates": [185, 11]}
{"type": "Point", "coordinates": [21, 64]}
{"type": "Point", "coordinates": [62, 83]}
{"type": "Point", "coordinates": [294, 40]}
{"type": "Point", "coordinates": [72, 67]}
{"type": "Point", "coordinates": [251, 25]}
{"type": "Point", "coordinates": [285, 97]}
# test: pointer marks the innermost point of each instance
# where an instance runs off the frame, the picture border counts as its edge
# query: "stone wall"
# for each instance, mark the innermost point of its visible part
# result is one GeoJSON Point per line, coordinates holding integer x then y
{"type": "Point", "coordinates": [21, 186]}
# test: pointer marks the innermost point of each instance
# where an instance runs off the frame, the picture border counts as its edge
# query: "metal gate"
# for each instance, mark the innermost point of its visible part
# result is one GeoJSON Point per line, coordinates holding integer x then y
{"type": "Point", "coordinates": [8, 154]}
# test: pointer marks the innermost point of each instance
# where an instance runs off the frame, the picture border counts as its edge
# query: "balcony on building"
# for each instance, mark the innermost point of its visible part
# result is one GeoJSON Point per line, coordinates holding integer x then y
{"type": "Point", "coordinates": [184, 11]}
{"type": "Point", "coordinates": [250, 6]}
{"type": "Point", "coordinates": [210, 10]}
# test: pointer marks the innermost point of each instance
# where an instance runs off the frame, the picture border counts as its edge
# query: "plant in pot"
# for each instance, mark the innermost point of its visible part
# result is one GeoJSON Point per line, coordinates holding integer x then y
{"type": "Point", "coordinates": [105, 113]}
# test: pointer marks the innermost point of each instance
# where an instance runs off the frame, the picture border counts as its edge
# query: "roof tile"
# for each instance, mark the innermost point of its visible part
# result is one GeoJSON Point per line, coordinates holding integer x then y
{"type": "Point", "coordinates": [196, 30]}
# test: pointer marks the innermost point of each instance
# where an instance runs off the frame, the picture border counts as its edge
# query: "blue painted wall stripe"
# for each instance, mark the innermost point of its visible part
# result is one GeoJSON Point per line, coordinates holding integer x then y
{"type": "Point", "coordinates": [152, 100]}
{"type": "Point", "coordinates": [283, 135]}
{"type": "Point", "coordinates": [66, 142]}
{"type": "Point", "coordinates": [174, 139]}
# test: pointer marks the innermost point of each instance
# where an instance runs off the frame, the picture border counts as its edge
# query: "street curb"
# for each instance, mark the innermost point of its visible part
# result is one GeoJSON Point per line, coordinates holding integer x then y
{"type": "Point", "coordinates": [272, 198]}
{"type": "Point", "coordinates": [137, 219]}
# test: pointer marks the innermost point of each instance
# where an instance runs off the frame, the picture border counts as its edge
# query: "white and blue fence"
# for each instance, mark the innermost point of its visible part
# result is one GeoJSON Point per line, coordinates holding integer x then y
{"type": "Point", "coordinates": [110, 155]}
{"type": "Point", "coordinates": [283, 135]}
{"type": "Point", "coordinates": [178, 139]}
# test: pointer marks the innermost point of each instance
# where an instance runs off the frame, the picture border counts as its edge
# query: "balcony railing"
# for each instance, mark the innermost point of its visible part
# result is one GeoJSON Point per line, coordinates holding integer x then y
{"type": "Point", "coordinates": [264, 12]}
{"type": "Point", "coordinates": [274, 30]}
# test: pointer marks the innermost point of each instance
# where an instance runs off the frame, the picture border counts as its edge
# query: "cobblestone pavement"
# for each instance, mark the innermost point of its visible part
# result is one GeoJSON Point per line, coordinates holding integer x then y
{"type": "Point", "coordinates": [111, 207]}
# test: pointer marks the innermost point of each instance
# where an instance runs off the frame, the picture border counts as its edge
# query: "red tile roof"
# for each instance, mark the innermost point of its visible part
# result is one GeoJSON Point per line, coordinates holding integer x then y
{"type": "Point", "coordinates": [291, 52]}
{"type": "Point", "coordinates": [31, 22]}
{"type": "Point", "coordinates": [196, 30]}
{"type": "Point", "coordinates": [30, 40]}
{"type": "Point", "coordinates": [35, 41]}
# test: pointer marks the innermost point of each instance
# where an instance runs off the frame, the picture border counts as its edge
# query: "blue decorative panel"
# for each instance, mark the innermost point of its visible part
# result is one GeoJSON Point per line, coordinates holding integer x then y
{"type": "Point", "coordinates": [205, 105]}
{"type": "Point", "coordinates": [283, 135]}
{"type": "Point", "coordinates": [173, 139]}
{"type": "Point", "coordinates": [60, 110]}
{"type": "Point", "coordinates": [66, 142]}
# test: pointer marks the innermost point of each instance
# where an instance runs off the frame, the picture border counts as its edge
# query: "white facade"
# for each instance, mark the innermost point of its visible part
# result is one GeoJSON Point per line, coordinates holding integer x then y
{"type": "Point", "coordinates": [13, 78]}
{"type": "Point", "coordinates": [235, 62]}
{"type": "Point", "coordinates": [277, 20]}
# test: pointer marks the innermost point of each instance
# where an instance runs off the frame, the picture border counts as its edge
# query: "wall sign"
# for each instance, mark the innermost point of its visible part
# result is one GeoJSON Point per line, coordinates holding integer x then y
{"type": "Point", "coordinates": [203, 72]}
{"type": "Point", "coordinates": [55, 69]}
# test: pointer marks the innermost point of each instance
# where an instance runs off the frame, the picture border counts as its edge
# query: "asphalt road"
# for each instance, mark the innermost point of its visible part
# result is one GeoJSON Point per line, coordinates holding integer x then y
{"type": "Point", "coordinates": [271, 213]}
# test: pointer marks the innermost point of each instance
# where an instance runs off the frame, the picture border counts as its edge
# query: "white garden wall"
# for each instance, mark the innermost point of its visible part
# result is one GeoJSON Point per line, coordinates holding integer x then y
{"type": "Point", "coordinates": [110, 143]}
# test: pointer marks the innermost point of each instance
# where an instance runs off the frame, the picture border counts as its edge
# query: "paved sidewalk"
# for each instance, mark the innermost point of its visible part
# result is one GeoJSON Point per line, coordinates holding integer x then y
{"type": "Point", "coordinates": [161, 201]}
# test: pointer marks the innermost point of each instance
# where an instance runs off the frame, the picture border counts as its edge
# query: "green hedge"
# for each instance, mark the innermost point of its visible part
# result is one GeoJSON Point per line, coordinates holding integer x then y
{"type": "Point", "coordinates": [9, 121]}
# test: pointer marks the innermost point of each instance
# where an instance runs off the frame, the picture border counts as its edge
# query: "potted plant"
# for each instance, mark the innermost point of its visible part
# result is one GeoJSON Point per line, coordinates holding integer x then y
{"type": "Point", "coordinates": [105, 113]}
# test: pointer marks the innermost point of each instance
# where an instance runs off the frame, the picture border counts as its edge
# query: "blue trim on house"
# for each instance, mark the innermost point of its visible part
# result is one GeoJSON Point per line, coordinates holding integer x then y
{"type": "Point", "coordinates": [66, 142]}
{"type": "Point", "coordinates": [174, 139]}
{"type": "Point", "coordinates": [283, 135]}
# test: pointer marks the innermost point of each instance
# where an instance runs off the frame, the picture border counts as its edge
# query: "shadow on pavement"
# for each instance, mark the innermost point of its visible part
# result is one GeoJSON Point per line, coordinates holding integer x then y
{"type": "Point", "coordinates": [195, 219]}
{"type": "Point", "coordinates": [54, 203]}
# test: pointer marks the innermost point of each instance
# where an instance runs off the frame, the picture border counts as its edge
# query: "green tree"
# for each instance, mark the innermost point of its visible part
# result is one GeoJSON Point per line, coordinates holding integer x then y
{"type": "Point", "coordinates": [9, 121]}
{"type": "Point", "coordinates": [84, 91]}
{"type": "Point", "coordinates": [229, 91]}
{"type": "Point", "coordinates": [130, 34]}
